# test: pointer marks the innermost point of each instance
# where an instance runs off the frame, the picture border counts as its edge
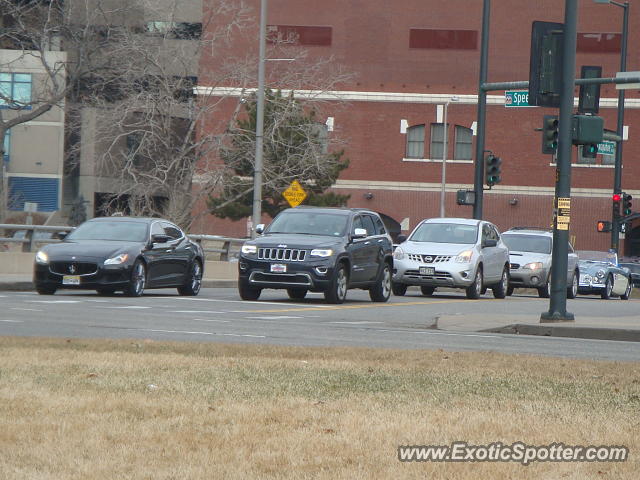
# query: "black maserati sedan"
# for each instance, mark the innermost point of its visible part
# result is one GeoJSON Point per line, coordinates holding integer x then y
{"type": "Point", "coordinates": [128, 254]}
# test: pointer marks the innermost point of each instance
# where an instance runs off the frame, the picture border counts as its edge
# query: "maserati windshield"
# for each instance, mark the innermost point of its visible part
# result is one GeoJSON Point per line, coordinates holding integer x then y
{"type": "Point", "coordinates": [123, 231]}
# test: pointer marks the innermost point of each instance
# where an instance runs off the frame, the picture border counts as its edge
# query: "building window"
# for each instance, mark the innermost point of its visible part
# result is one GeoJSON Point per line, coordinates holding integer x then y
{"type": "Point", "coordinates": [598, 42]}
{"type": "Point", "coordinates": [177, 30]}
{"type": "Point", "coordinates": [134, 154]}
{"type": "Point", "coordinates": [6, 146]}
{"type": "Point", "coordinates": [464, 139]}
{"type": "Point", "coordinates": [15, 89]}
{"type": "Point", "coordinates": [443, 39]}
{"type": "Point", "coordinates": [320, 134]}
{"type": "Point", "coordinates": [299, 35]}
{"type": "Point", "coordinates": [437, 141]}
{"type": "Point", "coordinates": [415, 142]}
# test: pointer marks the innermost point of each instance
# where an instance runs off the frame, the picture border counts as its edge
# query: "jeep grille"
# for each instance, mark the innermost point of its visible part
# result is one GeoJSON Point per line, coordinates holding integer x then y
{"type": "Point", "coordinates": [288, 254]}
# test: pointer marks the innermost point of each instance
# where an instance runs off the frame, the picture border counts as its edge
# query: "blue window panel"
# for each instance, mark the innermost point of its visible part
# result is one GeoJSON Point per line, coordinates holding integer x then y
{"type": "Point", "coordinates": [43, 191]}
{"type": "Point", "coordinates": [15, 87]}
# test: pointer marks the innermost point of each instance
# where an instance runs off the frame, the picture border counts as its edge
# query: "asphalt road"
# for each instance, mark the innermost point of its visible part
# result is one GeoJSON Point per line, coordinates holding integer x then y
{"type": "Point", "coordinates": [218, 315]}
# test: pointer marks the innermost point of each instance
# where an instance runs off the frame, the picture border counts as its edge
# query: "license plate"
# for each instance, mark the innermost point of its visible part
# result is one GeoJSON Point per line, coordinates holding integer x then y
{"type": "Point", "coordinates": [278, 268]}
{"type": "Point", "coordinates": [427, 270]}
{"type": "Point", "coordinates": [71, 280]}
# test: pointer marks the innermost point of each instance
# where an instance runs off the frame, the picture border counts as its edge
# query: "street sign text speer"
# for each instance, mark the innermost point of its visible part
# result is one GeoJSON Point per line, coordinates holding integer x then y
{"type": "Point", "coordinates": [295, 194]}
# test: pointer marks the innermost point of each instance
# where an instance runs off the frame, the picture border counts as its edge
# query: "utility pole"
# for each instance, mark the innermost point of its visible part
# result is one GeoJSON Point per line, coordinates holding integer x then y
{"type": "Point", "coordinates": [257, 169]}
{"type": "Point", "coordinates": [558, 301]}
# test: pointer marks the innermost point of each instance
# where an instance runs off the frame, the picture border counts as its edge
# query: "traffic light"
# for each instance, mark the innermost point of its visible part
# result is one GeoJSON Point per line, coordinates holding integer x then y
{"type": "Point", "coordinates": [626, 204]}
{"type": "Point", "coordinates": [545, 64]}
{"type": "Point", "coordinates": [603, 226]}
{"type": "Point", "coordinates": [549, 134]}
{"type": "Point", "coordinates": [493, 169]}
{"type": "Point", "coordinates": [616, 204]}
{"type": "Point", "coordinates": [589, 150]}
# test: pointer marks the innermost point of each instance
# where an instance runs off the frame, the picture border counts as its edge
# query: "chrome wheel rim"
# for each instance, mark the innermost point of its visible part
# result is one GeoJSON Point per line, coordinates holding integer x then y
{"type": "Point", "coordinates": [478, 283]}
{"type": "Point", "coordinates": [196, 277]}
{"type": "Point", "coordinates": [505, 281]}
{"type": "Point", "coordinates": [608, 287]}
{"type": "Point", "coordinates": [341, 284]}
{"type": "Point", "coordinates": [139, 278]}
{"type": "Point", "coordinates": [386, 282]}
{"type": "Point", "coordinates": [574, 286]}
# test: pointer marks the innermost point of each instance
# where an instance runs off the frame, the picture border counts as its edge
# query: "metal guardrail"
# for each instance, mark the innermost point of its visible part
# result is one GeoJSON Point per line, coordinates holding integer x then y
{"type": "Point", "coordinates": [225, 248]}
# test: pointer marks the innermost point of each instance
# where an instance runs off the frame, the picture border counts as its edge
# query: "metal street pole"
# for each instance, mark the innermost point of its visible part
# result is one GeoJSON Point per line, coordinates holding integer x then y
{"type": "Point", "coordinates": [445, 141]}
{"type": "Point", "coordinates": [559, 262]}
{"type": "Point", "coordinates": [257, 169]}
{"type": "Point", "coordinates": [478, 179]}
{"type": "Point", "coordinates": [617, 175]}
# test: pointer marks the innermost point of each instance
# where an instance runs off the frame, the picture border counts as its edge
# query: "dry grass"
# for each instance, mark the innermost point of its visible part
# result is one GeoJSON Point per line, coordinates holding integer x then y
{"type": "Point", "coordinates": [76, 409]}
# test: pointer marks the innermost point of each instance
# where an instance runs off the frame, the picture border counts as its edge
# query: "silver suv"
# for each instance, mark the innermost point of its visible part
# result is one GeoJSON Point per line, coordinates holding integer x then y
{"type": "Point", "coordinates": [530, 255]}
{"type": "Point", "coordinates": [452, 252]}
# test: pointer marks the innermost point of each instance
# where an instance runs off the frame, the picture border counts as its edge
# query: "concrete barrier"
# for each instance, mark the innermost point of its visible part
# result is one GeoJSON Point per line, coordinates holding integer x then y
{"type": "Point", "coordinates": [19, 263]}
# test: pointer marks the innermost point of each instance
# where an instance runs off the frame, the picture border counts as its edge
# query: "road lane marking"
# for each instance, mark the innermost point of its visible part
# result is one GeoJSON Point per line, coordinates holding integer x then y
{"type": "Point", "coordinates": [363, 322]}
{"type": "Point", "coordinates": [54, 301]}
{"type": "Point", "coordinates": [27, 309]}
{"type": "Point", "coordinates": [12, 321]}
{"type": "Point", "coordinates": [209, 320]}
{"type": "Point", "coordinates": [284, 302]}
{"type": "Point", "coordinates": [129, 307]}
{"type": "Point", "coordinates": [437, 332]}
{"type": "Point", "coordinates": [354, 307]}
{"type": "Point", "coordinates": [196, 311]}
{"type": "Point", "coordinates": [275, 317]}
{"type": "Point", "coordinates": [200, 333]}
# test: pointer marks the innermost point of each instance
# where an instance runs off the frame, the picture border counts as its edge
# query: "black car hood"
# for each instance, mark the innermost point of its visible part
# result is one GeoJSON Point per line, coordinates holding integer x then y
{"type": "Point", "coordinates": [297, 241]}
{"type": "Point", "coordinates": [88, 249]}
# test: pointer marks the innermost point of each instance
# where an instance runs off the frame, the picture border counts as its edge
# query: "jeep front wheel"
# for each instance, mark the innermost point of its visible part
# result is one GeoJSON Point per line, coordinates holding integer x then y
{"type": "Point", "coordinates": [337, 291]}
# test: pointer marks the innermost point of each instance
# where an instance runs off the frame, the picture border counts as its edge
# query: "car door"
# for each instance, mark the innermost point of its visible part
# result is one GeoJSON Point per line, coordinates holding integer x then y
{"type": "Point", "coordinates": [373, 247]}
{"type": "Point", "coordinates": [158, 258]}
{"type": "Point", "coordinates": [492, 254]}
{"type": "Point", "coordinates": [361, 251]}
{"type": "Point", "coordinates": [178, 255]}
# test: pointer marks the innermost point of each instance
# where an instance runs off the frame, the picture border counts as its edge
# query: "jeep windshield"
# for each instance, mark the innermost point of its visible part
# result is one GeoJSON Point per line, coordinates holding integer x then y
{"type": "Point", "coordinates": [309, 223]}
{"type": "Point", "coordinates": [527, 243]}
{"type": "Point", "coordinates": [445, 233]}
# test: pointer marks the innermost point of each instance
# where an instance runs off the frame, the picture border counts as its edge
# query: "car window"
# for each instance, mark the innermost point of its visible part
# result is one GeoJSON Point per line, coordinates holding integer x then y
{"type": "Point", "coordinates": [357, 223]}
{"type": "Point", "coordinates": [445, 233]}
{"type": "Point", "coordinates": [309, 223]}
{"type": "Point", "coordinates": [527, 243]}
{"type": "Point", "coordinates": [105, 230]}
{"type": "Point", "coordinates": [367, 221]}
{"type": "Point", "coordinates": [379, 226]}
{"type": "Point", "coordinates": [172, 231]}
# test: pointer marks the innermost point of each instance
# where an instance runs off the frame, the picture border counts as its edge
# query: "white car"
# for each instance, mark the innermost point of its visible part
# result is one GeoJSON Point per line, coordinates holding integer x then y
{"type": "Point", "coordinates": [452, 252]}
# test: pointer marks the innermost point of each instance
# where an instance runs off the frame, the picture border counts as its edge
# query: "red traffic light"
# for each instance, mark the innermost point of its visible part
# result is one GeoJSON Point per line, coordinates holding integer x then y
{"type": "Point", "coordinates": [616, 197]}
{"type": "Point", "coordinates": [603, 226]}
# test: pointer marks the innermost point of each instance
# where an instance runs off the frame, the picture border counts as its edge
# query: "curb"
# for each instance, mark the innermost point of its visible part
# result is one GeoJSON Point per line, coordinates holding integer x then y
{"type": "Point", "coordinates": [591, 333]}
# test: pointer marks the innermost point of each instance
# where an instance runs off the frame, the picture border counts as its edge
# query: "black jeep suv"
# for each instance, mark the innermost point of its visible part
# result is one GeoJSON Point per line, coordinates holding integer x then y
{"type": "Point", "coordinates": [320, 249]}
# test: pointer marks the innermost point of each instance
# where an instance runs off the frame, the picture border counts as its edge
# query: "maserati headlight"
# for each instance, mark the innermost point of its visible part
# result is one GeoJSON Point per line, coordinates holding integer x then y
{"type": "Point", "coordinates": [533, 266]}
{"type": "Point", "coordinates": [42, 258]}
{"type": "Point", "coordinates": [398, 253]}
{"type": "Point", "coordinates": [321, 252]}
{"type": "Point", "coordinates": [117, 260]}
{"type": "Point", "coordinates": [465, 256]}
{"type": "Point", "coordinates": [249, 249]}
{"type": "Point", "coordinates": [600, 274]}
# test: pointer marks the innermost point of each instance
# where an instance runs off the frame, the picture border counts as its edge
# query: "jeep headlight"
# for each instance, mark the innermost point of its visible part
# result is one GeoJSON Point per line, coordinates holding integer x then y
{"type": "Point", "coordinates": [249, 249]}
{"type": "Point", "coordinates": [533, 266]}
{"type": "Point", "coordinates": [321, 252]}
{"type": "Point", "coordinates": [600, 274]}
{"type": "Point", "coordinates": [42, 258]}
{"type": "Point", "coordinates": [117, 260]}
{"type": "Point", "coordinates": [398, 253]}
{"type": "Point", "coordinates": [465, 256]}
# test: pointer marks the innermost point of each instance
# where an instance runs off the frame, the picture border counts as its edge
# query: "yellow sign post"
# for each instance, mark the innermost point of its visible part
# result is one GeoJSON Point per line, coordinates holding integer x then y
{"type": "Point", "coordinates": [295, 194]}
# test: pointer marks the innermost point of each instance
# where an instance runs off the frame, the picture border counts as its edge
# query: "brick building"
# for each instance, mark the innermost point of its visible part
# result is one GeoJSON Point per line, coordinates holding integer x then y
{"type": "Point", "coordinates": [412, 60]}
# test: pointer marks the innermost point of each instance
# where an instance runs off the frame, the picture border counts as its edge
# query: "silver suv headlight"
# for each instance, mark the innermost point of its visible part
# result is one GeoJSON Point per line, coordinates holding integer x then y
{"type": "Point", "coordinates": [398, 253]}
{"type": "Point", "coordinates": [464, 256]}
{"type": "Point", "coordinates": [533, 266]}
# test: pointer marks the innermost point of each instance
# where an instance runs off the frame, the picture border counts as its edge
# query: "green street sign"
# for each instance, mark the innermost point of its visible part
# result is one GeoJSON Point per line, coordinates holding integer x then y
{"type": "Point", "coordinates": [518, 98]}
{"type": "Point", "coordinates": [607, 148]}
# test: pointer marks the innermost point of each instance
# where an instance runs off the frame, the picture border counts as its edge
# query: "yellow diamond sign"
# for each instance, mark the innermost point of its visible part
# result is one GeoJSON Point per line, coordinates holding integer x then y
{"type": "Point", "coordinates": [295, 194]}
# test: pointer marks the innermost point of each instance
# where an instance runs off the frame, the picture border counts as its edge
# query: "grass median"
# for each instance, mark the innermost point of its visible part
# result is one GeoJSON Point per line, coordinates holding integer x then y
{"type": "Point", "coordinates": [79, 409]}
